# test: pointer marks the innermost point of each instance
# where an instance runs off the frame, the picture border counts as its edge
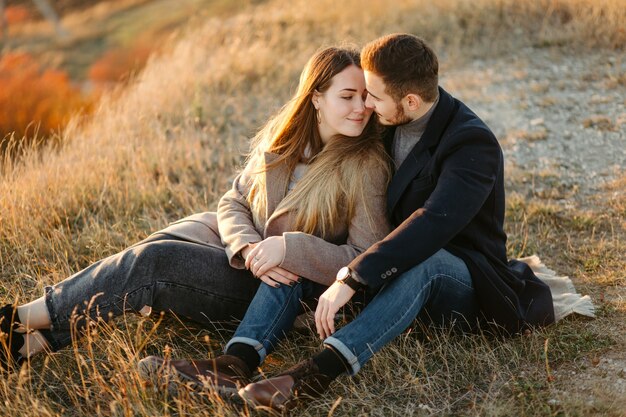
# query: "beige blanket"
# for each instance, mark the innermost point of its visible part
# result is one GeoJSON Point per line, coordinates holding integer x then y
{"type": "Point", "coordinates": [566, 299]}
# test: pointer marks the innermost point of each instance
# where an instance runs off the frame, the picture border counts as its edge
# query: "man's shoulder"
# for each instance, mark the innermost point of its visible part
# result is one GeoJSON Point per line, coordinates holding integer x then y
{"type": "Point", "coordinates": [466, 120]}
{"type": "Point", "coordinates": [465, 126]}
{"type": "Point", "coordinates": [463, 120]}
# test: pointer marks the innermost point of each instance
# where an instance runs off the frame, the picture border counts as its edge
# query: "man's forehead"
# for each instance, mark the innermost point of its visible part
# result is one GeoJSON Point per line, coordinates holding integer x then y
{"type": "Point", "coordinates": [372, 77]}
{"type": "Point", "coordinates": [374, 84]}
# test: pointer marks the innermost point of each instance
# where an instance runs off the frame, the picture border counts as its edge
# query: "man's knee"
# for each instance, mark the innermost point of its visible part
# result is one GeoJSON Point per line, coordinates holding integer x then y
{"type": "Point", "coordinates": [452, 301]}
{"type": "Point", "coordinates": [441, 263]}
{"type": "Point", "coordinates": [444, 259]}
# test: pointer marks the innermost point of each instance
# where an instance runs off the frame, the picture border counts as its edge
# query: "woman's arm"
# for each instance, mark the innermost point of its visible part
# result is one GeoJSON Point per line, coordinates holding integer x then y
{"type": "Point", "coordinates": [314, 258]}
{"type": "Point", "coordinates": [234, 219]}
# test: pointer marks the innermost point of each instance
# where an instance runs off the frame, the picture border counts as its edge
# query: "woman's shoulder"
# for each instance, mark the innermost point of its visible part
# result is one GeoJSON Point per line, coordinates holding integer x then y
{"type": "Point", "coordinates": [371, 166]}
{"type": "Point", "coordinates": [374, 158]}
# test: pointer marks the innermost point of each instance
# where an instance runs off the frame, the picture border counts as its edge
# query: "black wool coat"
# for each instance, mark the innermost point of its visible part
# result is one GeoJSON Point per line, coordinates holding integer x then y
{"type": "Point", "coordinates": [449, 193]}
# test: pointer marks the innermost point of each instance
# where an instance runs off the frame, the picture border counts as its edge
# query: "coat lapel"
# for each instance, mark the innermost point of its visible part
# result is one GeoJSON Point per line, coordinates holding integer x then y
{"type": "Point", "coordinates": [420, 154]}
{"type": "Point", "coordinates": [388, 139]}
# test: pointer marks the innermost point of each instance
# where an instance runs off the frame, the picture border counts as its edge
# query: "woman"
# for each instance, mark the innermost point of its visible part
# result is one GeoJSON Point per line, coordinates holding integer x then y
{"type": "Point", "coordinates": [309, 200]}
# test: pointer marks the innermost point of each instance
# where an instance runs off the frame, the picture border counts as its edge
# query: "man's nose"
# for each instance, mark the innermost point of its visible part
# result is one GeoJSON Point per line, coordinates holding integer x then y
{"type": "Point", "coordinates": [369, 103]}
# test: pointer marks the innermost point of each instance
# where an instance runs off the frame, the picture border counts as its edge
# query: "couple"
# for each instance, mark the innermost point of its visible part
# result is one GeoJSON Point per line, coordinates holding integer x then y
{"type": "Point", "coordinates": [406, 208]}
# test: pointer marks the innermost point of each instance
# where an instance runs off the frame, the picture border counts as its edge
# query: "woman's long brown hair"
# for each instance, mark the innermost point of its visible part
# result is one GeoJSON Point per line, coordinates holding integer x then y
{"type": "Point", "coordinates": [337, 172]}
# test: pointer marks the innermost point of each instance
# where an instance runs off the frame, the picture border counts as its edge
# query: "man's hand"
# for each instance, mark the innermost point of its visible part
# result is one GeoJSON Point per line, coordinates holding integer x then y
{"type": "Point", "coordinates": [335, 297]}
{"type": "Point", "coordinates": [265, 255]}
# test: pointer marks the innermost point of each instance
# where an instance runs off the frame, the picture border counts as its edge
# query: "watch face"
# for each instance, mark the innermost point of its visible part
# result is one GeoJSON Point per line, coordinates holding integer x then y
{"type": "Point", "coordinates": [343, 273]}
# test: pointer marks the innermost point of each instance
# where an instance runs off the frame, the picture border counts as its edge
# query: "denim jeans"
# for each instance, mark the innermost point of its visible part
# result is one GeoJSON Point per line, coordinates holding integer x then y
{"type": "Point", "coordinates": [437, 291]}
{"type": "Point", "coordinates": [163, 272]}
{"type": "Point", "coordinates": [271, 314]}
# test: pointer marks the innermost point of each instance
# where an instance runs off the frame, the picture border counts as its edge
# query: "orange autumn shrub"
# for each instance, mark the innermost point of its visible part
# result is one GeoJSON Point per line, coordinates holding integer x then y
{"type": "Point", "coordinates": [34, 97]}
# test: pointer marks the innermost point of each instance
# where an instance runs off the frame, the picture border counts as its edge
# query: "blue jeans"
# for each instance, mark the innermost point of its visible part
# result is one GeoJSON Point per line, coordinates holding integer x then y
{"type": "Point", "coordinates": [438, 291]}
{"type": "Point", "coordinates": [271, 314]}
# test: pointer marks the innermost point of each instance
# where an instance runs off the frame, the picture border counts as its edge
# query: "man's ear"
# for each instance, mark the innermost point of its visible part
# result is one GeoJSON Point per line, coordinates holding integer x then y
{"type": "Point", "coordinates": [413, 101]}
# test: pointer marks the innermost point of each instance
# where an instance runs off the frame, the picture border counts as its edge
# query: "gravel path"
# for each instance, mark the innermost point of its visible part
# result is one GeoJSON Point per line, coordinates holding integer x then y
{"type": "Point", "coordinates": [556, 115]}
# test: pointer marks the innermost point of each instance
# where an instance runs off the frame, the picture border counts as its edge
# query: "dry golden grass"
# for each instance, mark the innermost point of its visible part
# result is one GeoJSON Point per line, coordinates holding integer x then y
{"type": "Point", "coordinates": [167, 146]}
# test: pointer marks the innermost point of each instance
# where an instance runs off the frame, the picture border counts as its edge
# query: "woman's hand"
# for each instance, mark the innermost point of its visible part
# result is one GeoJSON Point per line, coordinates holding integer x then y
{"type": "Point", "coordinates": [277, 275]}
{"type": "Point", "coordinates": [265, 255]}
{"type": "Point", "coordinates": [335, 297]}
{"type": "Point", "coordinates": [246, 251]}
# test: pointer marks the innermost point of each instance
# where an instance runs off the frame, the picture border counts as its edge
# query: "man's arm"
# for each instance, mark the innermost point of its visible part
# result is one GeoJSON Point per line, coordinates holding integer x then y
{"type": "Point", "coordinates": [468, 174]}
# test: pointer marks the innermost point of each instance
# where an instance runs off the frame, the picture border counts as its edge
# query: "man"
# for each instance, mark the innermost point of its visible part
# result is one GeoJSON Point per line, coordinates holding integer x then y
{"type": "Point", "coordinates": [445, 261]}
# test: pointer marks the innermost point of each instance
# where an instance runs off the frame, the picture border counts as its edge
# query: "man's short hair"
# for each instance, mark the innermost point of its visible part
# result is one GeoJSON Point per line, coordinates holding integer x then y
{"type": "Point", "coordinates": [405, 63]}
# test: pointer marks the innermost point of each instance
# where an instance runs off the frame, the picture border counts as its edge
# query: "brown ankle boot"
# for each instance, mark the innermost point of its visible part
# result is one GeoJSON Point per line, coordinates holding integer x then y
{"type": "Point", "coordinates": [225, 374]}
{"type": "Point", "coordinates": [283, 392]}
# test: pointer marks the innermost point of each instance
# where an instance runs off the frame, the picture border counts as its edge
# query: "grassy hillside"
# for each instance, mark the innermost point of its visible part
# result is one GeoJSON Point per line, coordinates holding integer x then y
{"type": "Point", "coordinates": [94, 29]}
{"type": "Point", "coordinates": [46, 78]}
{"type": "Point", "coordinates": [168, 144]}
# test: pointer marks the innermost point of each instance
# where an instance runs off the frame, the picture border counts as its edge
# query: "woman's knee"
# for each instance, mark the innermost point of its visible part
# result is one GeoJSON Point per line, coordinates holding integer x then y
{"type": "Point", "coordinates": [141, 263]}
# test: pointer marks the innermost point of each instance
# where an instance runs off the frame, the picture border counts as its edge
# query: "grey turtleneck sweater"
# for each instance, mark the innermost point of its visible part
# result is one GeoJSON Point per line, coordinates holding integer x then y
{"type": "Point", "coordinates": [407, 136]}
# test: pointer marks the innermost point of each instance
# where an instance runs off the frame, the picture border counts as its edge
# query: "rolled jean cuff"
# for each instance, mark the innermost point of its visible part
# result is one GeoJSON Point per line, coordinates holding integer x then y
{"type": "Point", "coordinates": [258, 346]}
{"type": "Point", "coordinates": [345, 351]}
{"type": "Point", "coordinates": [54, 317]}
{"type": "Point", "coordinates": [55, 341]}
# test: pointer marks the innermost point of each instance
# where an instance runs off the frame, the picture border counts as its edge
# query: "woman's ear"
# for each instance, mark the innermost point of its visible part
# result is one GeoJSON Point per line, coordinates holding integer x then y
{"type": "Point", "coordinates": [315, 99]}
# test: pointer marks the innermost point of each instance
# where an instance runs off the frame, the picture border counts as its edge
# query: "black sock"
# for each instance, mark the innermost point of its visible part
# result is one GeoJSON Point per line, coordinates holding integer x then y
{"type": "Point", "coordinates": [331, 363]}
{"type": "Point", "coordinates": [246, 353]}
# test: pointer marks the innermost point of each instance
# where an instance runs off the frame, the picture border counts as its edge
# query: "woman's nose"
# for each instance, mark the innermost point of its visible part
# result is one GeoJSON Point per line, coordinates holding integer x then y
{"type": "Point", "coordinates": [360, 106]}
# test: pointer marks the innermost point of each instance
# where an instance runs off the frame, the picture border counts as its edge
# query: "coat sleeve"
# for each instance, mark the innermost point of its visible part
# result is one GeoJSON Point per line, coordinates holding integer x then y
{"type": "Point", "coordinates": [467, 176]}
{"type": "Point", "coordinates": [234, 218]}
{"type": "Point", "coordinates": [314, 258]}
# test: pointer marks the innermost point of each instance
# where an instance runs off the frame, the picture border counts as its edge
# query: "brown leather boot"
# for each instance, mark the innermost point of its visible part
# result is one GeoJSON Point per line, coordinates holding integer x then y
{"type": "Point", "coordinates": [283, 392]}
{"type": "Point", "coordinates": [224, 374]}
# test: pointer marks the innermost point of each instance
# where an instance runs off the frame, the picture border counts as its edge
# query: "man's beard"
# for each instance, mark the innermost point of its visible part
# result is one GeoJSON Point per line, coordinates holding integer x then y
{"type": "Point", "coordinates": [400, 118]}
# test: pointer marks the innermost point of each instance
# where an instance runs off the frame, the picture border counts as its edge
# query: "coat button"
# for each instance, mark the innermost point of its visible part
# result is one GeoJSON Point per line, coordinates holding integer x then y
{"type": "Point", "coordinates": [383, 276]}
{"type": "Point", "coordinates": [388, 273]}
{"type": "Point", "coordinates": [394, 269]}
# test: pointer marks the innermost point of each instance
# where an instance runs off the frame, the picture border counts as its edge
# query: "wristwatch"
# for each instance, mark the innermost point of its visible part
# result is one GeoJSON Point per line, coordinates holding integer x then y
{"type": "Point", "coordinates": [346, 276]}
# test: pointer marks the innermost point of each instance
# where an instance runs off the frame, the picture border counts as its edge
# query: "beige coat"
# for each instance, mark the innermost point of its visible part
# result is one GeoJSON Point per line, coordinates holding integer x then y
{"type": "Point", "coordinates": [308, 256]}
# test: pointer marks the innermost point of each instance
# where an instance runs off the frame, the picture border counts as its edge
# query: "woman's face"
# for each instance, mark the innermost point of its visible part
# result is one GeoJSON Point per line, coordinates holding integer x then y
{"type": "Point", "coordinates": [341, 108]}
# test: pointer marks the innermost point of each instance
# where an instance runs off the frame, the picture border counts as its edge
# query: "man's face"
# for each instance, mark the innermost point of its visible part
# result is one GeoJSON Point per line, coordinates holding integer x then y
{"type": "Point", "coordinates": [389, 111]}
